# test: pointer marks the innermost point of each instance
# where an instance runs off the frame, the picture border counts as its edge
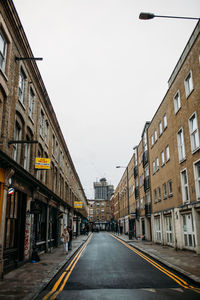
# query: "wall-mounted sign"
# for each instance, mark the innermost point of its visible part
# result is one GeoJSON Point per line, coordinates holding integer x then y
{"type": "Point", "coordinates": [78, 204]}
{"type": "Point", "coordinates": [42, 163]}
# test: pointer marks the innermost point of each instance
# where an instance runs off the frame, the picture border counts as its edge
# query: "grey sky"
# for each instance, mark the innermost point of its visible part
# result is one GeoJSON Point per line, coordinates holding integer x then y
{"type": "Point", "coordinates": [105, 71]}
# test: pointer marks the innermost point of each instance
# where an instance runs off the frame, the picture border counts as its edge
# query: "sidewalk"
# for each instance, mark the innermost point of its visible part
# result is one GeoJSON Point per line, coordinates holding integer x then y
{"type": "Point", "coordinates": [183, 261]}
{"type": "Point", "coordinates": [27, 281]}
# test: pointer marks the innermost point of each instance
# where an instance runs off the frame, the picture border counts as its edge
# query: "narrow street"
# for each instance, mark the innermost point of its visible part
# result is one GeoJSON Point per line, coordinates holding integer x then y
{"type": "Point", "coordinates": [106, 268]}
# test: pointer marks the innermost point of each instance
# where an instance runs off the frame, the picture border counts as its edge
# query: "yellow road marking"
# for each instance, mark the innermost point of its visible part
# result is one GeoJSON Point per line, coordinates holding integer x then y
{"type": "Point", "coordinates": [66, 273]}
{"type": "Point", "coordinates": [176, 278]}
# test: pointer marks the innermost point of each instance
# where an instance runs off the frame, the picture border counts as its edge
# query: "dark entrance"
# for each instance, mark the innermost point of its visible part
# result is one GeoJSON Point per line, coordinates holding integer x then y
{"type": "Point", "coordinates": [143, 228]}
{"type": "Point", "coordinates": [14, 231]}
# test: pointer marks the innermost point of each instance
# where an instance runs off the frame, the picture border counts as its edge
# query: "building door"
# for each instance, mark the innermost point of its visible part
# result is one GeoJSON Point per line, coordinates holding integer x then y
{"type": "Point", "coordinates": [14, 230]}
{"type": "Point", "coordinates": [169, 235]}
{"type": "Point", "coordinates": [188, 231]}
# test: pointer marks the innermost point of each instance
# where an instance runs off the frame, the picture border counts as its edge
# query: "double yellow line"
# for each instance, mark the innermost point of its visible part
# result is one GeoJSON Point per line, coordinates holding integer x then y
{"type": "Point", "coordinates": [61, 282]}
{"type": "Point", "coordinates": [176, 278]}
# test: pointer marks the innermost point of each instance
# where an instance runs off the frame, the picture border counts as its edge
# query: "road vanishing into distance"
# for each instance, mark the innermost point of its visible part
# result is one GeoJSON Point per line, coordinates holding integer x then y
{"type": "Point", "coordinates": [107, 268]}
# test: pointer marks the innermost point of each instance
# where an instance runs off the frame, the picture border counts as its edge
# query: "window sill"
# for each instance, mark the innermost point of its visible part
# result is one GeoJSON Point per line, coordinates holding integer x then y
{"type": "Point", "coordinates": [182, 160]}
{"type": "Point", "coordinates": [32, 121]}
{"type": "Point", "coordinates": [22, 104]}
{"type": "Point", "coordinates": [188, 95]}
{"type": "Point", "coordinates": [170, 195]}
{"type": "Point", "coordinates": [197, 149]}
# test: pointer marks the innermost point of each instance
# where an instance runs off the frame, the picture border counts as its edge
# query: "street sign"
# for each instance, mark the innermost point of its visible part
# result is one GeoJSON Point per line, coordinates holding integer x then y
{"type": "Point", "coordinates": [78, 204]}
{"type": "Point", "coordinates": [42, 163]}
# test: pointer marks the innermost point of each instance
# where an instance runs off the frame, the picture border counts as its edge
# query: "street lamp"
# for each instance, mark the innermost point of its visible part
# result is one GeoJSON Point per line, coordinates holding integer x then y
{"type": "Point", "coordinates": [148, 16]}
{"type": "Point", "coordinates": [118, 167]}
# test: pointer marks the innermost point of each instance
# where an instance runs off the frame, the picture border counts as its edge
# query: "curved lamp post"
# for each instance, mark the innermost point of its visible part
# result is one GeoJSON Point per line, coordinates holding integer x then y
{"type": "Point", "coordinates": [148, 16]}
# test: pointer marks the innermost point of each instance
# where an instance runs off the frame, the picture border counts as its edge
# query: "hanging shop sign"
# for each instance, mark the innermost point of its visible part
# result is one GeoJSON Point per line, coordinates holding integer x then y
{"type": "Point", "coordinates": [11, 191]}
{"type": "Point", "coordinates": [78, 204]}
{"type": "Point", "coordinates": [42, 163]}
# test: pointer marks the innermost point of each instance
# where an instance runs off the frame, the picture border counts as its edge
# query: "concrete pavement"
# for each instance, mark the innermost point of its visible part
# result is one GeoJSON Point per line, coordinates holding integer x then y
{"type": "Point", "coordinates": [183, 261]}
{"type": "Point", "coordinates": [27, 281]}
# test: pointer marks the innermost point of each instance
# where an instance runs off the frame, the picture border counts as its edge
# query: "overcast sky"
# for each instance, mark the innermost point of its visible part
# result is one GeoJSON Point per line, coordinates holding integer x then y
{"type": "Point", "coordinates": [105, 71]}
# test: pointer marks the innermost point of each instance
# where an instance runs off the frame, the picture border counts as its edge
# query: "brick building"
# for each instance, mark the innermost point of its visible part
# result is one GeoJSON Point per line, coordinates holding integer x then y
{"type": "Point", "coordinates": [174, 154]}
{"type": "Point", "coordinates": [35, 203]}
{"type": "Point", "coordinates": [166, 162]}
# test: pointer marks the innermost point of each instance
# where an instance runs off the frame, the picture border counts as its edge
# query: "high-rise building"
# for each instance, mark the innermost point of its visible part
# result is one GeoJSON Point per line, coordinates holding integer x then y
{"type": "Point", "coordinates": [102, 190]}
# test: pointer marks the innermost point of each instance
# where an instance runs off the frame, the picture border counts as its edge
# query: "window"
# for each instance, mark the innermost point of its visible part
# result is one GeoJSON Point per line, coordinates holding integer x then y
{"type": "Point", "coordinates": [188, 84]}
{"type": "Point", "coordinates": [53, 144]}
{"type": "Point", "coordinates": [152, 142]}
{"type": "Point", "coordinates": [41, 123]}
{"type": "Point", "coordinates": [185, 187]}
{"type": "Point", "coordinates": [169, 234]}
{"type": "Point", "coordinates": [194, 133]}
{"type": "Point", "coordinates": [27, 151]}
{"type": "Point", "coordinates": [157, 164]}
{"type": "Point", "coordinates": [159, 194]}
{"type": "Point", "coordinates": [3, 52]}
{"type": "Point", "coordinates": [31, 103]}
{"type": "Point", "coordinates": [155, 196]}
{"type": "Point", "coordinates": [197, 179]}
{"type": "Point", "coordinates": [177, 102]}
{"type": "Point", "coordinates": [167, 153]}
{"type": "Point", "coordinates": [160, 128]}
{"type": "Point", "coordinates": [154, 167]}
{"type": "Point", "coordinates": [22, 86]}
{"type": "Point", "coordinates": [46, 132]}
{"type": "Point", "coordinates": [57, 151]}
{"type": "Point", "coordinates": [165, 121]}
{"type": "Point", "coordinates": [164, 191]}
{"type": "Point", "coordinates": [188, 231]}
{"type": "Point", "coordinates": [157, 230]}
{"type": "Point", "coordinates": [141, 203]}
{"type": "Point", "coordinates": [155, 135]}
{"type": "Point", "coordinates": [162, 158]}
{"type": "Point", "coordinates": [181, 146]}
{"type": "Point", "coordinates": [170, 188]}
{"type": "Point", "coordinates": [17, 147]}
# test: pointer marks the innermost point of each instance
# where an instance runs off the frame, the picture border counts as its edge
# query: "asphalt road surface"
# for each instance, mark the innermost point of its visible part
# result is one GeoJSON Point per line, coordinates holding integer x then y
{"type": "Point", "coordinates": [106, 268]}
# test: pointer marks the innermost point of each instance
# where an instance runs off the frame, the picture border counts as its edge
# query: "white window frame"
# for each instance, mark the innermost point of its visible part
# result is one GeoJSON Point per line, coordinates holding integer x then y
{"type": "Point", "coordinates": [177, 102]}
{"type": "Point", "coordinates": [170, 190]}
{"type": "Point", "coordinates": [157, 163]}
{"type": "Point", "coordinates": [181, 145]}
{"type": "Point", "coordinates": [164, 190]}
{"type": "Point", "coordinates": [159, 194]}
{"type": "Point", "coordinates": [197, 179]}
{"type": "Point", "coordinates": [154, 167]}
{"type": "Point", "coordinates": [31, 103]}
{"type": "Point", "coordinates": [169, 230]}
{"type": "Point", "coordinates": [158, 234]}
{"type": "Point", "coordinates": [22, 87]}
{"type": "Point", "coordinates": [155, 195]}
{"type": "Point", "coordinates": [155, 135]}
{"type": "Point", "coordinates": [185, 187]}
{"type": "Point", "coordinates": [194, 133]}
{"type": "Point", "coordinates": [167, 153]}
{"type": "Point", "coordinates": [3, 51]}
{"type": "Point", "coordinates": [188, 231]}
{"type": "Point", "coordinates": [152, 140]}
{"type": "Point", "coordinates": [160, 128]}
{"type": "Point", "coordinates": [189, 86]}
{"type": "Point", "coordinates": [165, 121]}
{"type": "Point", "coordinates": [162, 158]}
